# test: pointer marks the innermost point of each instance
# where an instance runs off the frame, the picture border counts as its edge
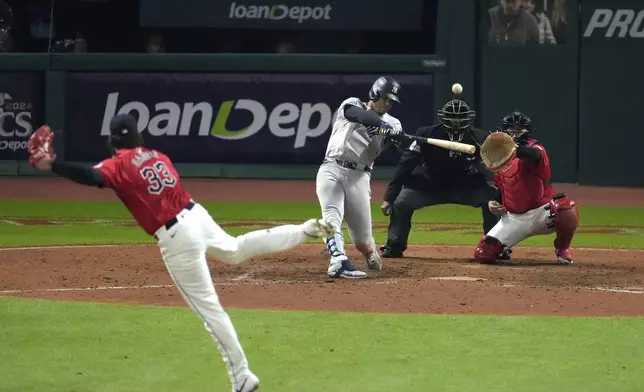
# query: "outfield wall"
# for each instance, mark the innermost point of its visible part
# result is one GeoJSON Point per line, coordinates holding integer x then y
{"type": "Point", "coordinates": [247, 115]}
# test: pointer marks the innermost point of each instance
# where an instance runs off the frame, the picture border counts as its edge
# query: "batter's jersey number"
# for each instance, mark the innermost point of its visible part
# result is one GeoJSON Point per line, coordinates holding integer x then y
{"type": "Point", "coordinates": [158, 177]}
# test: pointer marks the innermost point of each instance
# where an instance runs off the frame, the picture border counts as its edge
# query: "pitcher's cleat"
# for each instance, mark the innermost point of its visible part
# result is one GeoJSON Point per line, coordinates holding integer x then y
{"type": "Point", "coordinates": [564, 256]}
{"type": "Point", "coordinates": [317, 228]}
{"type": "Point", "coordinates": [250, 384]}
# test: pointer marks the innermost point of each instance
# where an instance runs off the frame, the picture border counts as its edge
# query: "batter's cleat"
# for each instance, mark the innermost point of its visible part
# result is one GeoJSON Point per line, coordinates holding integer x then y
{"type": "Point", "coordinates": [344, 269]}
{"type": "Point", "coordinates": [250, 384]}
{"type": "Point", "coordinates": [389, 253]}
{"type": "Point", "coordinates": [374, 261]}
{"type": "Point", "coordinates": [564, 256]}
{"type": "Point", "coordinates": [317, 228]}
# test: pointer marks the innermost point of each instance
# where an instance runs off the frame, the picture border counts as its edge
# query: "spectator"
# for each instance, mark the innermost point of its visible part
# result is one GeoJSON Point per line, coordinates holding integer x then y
{"type": "Point", "coordinates": [68, 45]}
{"type": "Point", "coordinates": [545, 29]}
{"type": "Point", "coordinates": [354, 44]}
{"type": "Point", "coordinates": [558, 21]}
{"type": "Point", "coordinates": [285, 47]}
{"type": "Point", "coordinates": [6, 26]}
{"type": "Point", "coordinates": [511, 24]}
{"type": "Point", "coordinates": [155, 44]}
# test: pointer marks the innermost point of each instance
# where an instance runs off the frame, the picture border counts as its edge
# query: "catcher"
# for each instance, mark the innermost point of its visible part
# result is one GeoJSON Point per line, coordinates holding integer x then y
{"type": "Point", "coordinates": [526, 201]}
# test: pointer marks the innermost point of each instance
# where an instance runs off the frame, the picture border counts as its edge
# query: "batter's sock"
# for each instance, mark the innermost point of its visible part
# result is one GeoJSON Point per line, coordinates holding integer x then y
{"type": "Point", "coordinates": [335, 245]}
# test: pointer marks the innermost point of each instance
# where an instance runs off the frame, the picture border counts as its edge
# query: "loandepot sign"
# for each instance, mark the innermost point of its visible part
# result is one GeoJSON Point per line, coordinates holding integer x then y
{"type": "Point", "coordinates": [300, 13]}
{"type": "Point", "coordinates": [308, 120]}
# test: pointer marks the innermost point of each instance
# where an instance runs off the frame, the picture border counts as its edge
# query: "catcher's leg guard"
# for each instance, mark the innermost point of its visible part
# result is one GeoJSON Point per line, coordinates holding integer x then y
{"type": "Point", "coordinates": [566, 215]}
{"type": "Point", "coordinates": [488, 250]}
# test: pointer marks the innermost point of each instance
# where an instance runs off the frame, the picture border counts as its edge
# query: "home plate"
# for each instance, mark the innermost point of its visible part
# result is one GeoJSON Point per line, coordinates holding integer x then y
{"type": "Point", "coordinates": [458, 278]}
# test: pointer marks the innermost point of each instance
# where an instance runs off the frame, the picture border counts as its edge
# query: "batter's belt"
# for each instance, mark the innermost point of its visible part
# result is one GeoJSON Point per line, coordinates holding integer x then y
{"type": "Point", "coordinates": [353, 165]}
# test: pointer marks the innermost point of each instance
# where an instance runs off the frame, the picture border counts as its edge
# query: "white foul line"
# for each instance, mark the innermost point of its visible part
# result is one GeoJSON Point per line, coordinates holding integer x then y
{"type": "Point", "coordinates": [426, 246]}
{"type": "Point", "coordinates": [99, 288]}
{"type": "Point", "coordinates": [249, 282]}
{"type": "Point", "coordinates": [618, 290]}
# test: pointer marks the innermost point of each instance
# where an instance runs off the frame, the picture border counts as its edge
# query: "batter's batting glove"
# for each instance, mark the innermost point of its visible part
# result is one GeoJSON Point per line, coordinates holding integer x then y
{"type": "Point", "coordinates": [396, 135]}
{"type": "Point", "coordinates": [385, 129]}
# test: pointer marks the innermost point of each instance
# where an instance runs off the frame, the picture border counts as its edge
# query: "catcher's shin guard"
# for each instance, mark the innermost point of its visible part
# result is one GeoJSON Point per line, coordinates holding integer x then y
{"type": "Point", "coordinates": [488, 250]}
{"type": "Point", "coordinates": [566, 215]}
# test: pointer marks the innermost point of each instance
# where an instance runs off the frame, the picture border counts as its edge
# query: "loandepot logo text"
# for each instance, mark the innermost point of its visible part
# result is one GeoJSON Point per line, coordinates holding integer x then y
{"type": "Point", "coordinates": [279, 12]}
{"type": "Point", "coordinates": [287, 119]}
{"type": "Point", "coordinates": [15, 123]}
{"type": "Point", "coordinates": [616, 23]}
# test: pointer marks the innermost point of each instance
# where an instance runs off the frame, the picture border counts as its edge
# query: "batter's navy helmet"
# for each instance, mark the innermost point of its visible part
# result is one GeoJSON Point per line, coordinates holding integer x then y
{"type": "Point", "coordinates": [124, 132]}
{"type": "Point", "coordinates": [385, 86]}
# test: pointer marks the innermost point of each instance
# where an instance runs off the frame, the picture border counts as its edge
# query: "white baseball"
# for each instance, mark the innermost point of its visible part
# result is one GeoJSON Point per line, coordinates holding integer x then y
{"type": "Point", "coordinates": [457, 88]}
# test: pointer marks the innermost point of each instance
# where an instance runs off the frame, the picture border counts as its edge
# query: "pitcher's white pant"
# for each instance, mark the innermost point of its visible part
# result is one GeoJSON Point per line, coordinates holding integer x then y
{"type": "Point", "coordinates": [514, 228]}
{"type": "Point", "coordinates": [184, 248]}
{"type": "Point", "coordinates": [345, 194]}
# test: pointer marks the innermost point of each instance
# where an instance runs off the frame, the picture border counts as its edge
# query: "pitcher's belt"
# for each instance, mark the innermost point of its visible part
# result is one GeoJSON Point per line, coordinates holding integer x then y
{"type": "Point", "coordinates": [173, 221]}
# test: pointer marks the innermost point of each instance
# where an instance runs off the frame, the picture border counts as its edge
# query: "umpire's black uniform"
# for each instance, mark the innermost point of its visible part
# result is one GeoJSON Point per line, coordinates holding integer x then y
{"type": "Point", "coordinates": [428, 175]}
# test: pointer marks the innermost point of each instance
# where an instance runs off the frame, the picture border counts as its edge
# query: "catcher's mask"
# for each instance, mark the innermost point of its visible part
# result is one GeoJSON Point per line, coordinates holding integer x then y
{"type": "Point", "coordinates": [518, 125]}
{"type": "Point", "coordinates": [124, 132]}
{"type": "Point", "coordinates": [457, 117]}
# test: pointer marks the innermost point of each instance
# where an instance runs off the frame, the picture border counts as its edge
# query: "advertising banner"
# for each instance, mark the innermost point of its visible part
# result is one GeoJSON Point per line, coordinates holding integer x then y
{"type": "Point", "coordinates": [283, 14]}
{"type": "Point", "coordinates": [228, 118]}
{"type": "Point", "coordinates": [611, 61]}
{"type": "Point", "coordinates": [20, 112]}
{"type": "Point", "coordinates": [617, 21]}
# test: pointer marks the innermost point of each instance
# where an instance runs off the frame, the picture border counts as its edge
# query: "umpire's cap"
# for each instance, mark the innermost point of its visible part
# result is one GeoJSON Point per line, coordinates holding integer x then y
{"type": "Point", "coordinates": [385, 86]}
{"type": "Point", "coordinates": [124, 132]}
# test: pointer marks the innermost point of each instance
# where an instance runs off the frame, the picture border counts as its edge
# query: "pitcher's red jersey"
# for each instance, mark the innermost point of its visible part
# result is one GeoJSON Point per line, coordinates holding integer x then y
{"type": "Point", "coordinates": [147, 183]}
{"type": "Point", "coordinates": [525, 185]}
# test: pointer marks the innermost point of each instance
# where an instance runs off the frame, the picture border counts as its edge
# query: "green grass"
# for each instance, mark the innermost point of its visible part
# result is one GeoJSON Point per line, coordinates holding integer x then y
{"type": "Point", "coordinates": [88, 347]}
{"type": "Point", "coordinates": [54, 346]}
{"type": "Point", "coordinates": [469, 218]}
{"type": "Point", "coordinates": [590, 215]}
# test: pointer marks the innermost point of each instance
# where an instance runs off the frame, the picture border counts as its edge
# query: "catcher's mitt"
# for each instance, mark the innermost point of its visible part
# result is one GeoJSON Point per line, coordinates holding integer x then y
{"type": "Point", "coordinates": [497, 150]}
{"type": "Point", "coordinates": [41, 145]}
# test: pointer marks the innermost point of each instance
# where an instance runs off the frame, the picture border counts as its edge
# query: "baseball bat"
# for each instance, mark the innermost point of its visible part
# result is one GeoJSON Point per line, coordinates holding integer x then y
{"type": "Point", "coordinates": [455, 146]}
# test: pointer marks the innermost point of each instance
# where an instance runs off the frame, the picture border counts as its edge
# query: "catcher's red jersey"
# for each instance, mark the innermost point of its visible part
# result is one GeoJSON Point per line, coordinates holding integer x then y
{"type": "Point", "coordinates": [525, 185]}
{"type": "Point", "coordinates": [147, 183]}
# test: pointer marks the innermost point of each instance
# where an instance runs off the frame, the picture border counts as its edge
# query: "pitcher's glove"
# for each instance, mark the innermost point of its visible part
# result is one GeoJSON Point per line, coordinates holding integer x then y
{"type": "Point", "coordinates": [497, 150]}
{"type": "Point", "coordinates": [41, 145]}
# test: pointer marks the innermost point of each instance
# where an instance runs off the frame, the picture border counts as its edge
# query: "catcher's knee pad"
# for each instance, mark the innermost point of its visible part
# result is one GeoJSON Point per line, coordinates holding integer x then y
{"type": "Point", "coordinates": [566, 219]}
{"type": "Point", "coordinates": [488, 249]}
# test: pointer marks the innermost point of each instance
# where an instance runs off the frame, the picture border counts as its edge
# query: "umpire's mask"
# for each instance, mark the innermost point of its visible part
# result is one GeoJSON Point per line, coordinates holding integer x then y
{"type": "Point", "coordinates": [456, 116]}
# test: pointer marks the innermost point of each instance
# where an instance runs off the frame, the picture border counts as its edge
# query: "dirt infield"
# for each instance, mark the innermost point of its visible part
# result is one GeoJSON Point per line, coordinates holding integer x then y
{"type": "Point", "coordinates": [432, 279]}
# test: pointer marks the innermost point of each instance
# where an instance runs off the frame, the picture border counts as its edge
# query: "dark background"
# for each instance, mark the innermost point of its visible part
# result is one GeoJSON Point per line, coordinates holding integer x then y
{"type": "Point", "coordinates": [584, 94]}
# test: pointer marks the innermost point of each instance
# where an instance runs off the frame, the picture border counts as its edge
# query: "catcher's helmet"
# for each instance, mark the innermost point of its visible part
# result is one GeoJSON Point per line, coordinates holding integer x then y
{"type": "Point", "coordinates": [385, 86]}
{"type": "Point", "coordinates": [124, 132]}
{"type": "Point", "coordinates": [456, 116]}
{"type": "Point", "coordinates": [518, 125]}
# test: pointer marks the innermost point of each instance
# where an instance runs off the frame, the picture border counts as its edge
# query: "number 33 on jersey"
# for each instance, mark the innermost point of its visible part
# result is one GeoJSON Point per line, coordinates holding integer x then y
{"type": "Point", "coordinates": [147, 183]}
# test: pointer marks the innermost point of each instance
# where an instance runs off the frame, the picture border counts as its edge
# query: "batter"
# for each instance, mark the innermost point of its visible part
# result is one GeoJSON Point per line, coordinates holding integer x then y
{"type": "Point", "coordinates": [147, 183]}
{"type": "Point", "coordinates": [361, 131]}
{"type": "Point", "coordinates": [526, 201]}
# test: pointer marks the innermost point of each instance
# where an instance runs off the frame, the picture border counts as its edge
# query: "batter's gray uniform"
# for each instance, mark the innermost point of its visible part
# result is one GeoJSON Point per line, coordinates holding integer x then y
{"type": "Point", "coordinates": [343, 184]}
